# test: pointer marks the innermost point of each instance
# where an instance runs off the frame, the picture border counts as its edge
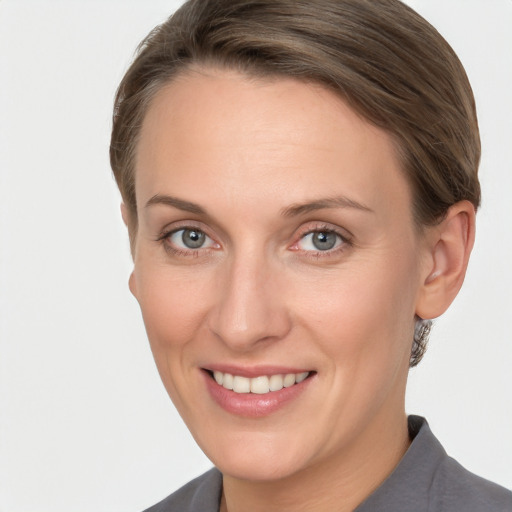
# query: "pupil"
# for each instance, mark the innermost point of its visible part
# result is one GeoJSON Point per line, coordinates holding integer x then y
{"type": "Point", "coordinates": [324, 240]}
{"type": "Point", "coordinates": [193, 239]}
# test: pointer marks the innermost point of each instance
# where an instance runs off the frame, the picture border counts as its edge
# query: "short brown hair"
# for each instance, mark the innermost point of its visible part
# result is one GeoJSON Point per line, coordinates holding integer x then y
{"type": "Point", "coordinates": [381, 57]}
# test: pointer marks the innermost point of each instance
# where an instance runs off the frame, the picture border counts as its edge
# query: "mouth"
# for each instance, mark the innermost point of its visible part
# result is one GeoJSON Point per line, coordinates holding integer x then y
{"type": "Point", "coordinates": [259, 385]}
{"type": "Point", "coordinates": [256, 392]}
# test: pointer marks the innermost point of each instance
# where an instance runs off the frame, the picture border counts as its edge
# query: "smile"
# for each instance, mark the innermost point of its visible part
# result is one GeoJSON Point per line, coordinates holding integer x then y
{"type": "Point", "coordinates": [256, 392]}
{"type": "Point", "coordinates": [258, 385]}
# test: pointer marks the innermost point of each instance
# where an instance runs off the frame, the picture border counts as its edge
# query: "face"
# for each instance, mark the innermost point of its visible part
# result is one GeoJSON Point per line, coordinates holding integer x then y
{"type": "Point", "coordinates": [277, 267]}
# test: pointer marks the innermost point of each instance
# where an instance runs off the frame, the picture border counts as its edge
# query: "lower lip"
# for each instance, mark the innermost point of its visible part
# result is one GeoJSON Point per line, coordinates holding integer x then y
{"type": "Point", "coordinates": [253, 405]}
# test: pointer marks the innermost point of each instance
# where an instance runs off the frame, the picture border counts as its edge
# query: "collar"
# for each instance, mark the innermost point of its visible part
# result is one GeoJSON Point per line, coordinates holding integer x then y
{"type": "Point", "coordinates": [408, 486]}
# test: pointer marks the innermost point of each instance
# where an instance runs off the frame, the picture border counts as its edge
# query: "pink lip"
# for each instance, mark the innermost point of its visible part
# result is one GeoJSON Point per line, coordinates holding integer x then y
{"type": "Point", "coordinates": [252, 405]}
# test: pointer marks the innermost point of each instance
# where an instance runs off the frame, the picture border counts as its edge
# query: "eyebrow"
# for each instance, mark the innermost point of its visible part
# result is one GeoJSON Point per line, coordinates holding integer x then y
{"type": "Point", "coordinates": [320, 204]}
{"type": "Point", "coordinates": [290, 211]}
{"type": "Point", "coordinates": [180, 204]}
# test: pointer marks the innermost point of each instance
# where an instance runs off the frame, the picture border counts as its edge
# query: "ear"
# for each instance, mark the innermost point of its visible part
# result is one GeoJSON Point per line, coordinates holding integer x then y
{"type": "Point", "coordinates": [125, 214]}
{"type": "Point", "coordinates": [449, 246]}
{"type": "Point", "coordinates": [131, 225]}
{"type": "Point", "coordinates": [132, 284]}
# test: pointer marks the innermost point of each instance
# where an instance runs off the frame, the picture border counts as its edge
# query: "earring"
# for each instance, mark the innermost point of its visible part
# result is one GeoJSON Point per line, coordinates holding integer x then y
{"type": "Point", "coordinates": [419, 346]}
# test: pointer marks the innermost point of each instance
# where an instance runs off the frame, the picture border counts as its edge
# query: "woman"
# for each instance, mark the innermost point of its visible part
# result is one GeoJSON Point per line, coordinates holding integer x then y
{"type": "Point", "coordinates": [300, 185]}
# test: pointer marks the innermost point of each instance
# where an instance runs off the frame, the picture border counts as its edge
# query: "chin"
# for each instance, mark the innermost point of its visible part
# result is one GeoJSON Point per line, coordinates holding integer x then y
{"type": "Point", "coordinates": [258, 469]}
{"type": "Point", "coordinates": [263, 457]}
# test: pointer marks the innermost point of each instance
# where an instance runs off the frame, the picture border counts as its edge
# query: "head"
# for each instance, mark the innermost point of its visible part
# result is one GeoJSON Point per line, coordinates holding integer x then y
{"type": "Point", "coordinates": [389, 65]}
{"type": "Point", "coordinates": [379, 84]}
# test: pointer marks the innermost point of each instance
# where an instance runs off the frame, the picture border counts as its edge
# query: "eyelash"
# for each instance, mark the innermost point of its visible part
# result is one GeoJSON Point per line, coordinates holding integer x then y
{"type": "Point", "coordinates": [329, 253]}
{"type": "Point", "coordinates": [346, 242]}
{"type": "Point", "coordinates": [165, 236]}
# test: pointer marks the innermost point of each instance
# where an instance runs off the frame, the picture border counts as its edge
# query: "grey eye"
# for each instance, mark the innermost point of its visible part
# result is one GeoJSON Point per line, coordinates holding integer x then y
{"type": "Point", "coordinates": [320, 241]}
{"type": "Point", "coordinates": [192, 238]}
{"type": "Point", "coordinates": [189, 238]}
{"type": "Point", "coordinates": [324, 240]}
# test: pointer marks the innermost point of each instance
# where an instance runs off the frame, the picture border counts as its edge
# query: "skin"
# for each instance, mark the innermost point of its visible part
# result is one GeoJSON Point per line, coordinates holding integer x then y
{"type": "Point", "coordinates": [244, 151]}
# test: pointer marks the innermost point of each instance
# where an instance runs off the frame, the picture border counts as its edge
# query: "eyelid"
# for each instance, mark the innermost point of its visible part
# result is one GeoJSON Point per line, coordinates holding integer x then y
{"type": "Point", "coordinates": [209, 242]}
{"type": "Point", "coordinates": [339, 240]}
{"type": "Point", "coordinates": [318, 227]}
{"type": "Point", "coordinates": [171, 229]}
{"type": "Point", "coordinates": [307, 229]}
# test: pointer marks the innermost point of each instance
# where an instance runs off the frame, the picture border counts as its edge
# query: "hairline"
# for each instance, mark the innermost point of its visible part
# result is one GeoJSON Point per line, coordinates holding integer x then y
{"type": "Point", "coordinates": [211, 65]}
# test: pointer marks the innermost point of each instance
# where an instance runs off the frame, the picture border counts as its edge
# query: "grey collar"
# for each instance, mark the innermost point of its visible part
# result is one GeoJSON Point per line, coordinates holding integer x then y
{"type": "Point", "coordinates": [408, 486]}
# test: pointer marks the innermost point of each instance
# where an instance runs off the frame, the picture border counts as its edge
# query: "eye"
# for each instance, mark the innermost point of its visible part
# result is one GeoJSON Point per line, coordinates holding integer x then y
{"type": "Point", "coordinates": [320, 241]}
{"type": "Point", "coordinates": [190, 238]}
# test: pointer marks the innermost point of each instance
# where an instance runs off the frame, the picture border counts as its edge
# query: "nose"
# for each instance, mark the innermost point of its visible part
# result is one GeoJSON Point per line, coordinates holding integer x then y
{"type": "Point", "coordinates": [250, 307]}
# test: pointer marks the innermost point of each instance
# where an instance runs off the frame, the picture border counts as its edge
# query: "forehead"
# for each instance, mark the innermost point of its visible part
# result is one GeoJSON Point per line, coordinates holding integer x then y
{"type": "Point", "coordinates": [223, 131]}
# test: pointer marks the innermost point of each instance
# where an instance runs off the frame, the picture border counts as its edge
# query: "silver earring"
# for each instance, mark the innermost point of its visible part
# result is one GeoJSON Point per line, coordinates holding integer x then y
{"type": "Point", "coordinates": [419, 346]}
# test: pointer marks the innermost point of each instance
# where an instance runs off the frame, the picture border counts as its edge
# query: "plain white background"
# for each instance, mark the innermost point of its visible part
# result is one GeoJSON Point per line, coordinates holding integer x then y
{"type": "Point", "coordinates": [85, 424]}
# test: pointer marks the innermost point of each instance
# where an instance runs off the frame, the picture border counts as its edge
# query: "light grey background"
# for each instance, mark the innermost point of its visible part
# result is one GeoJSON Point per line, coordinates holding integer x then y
{"type": "Point", "coordinates": [85, 424]}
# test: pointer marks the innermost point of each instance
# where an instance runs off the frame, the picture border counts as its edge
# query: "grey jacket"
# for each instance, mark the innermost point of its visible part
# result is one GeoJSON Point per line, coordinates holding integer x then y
{"type": "Point", "coordinates": [425, 480]}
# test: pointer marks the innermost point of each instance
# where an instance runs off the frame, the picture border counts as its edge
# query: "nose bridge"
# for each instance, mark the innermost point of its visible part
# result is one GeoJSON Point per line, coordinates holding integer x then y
{"type": "Point", "coordinates": [249, 308]}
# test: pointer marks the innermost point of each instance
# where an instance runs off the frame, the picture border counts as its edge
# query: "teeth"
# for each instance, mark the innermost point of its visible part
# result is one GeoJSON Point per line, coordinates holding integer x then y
{"type": "Point", "coordinates": [301, 376]}
{"type": "Point", "coordinates": [241, 384]}
{"type": "Point", "coordinates": [258, 385]}
{"type": "Point", "coordinates": [289, 380]}
{"type": "Point", "coordinates": [275, 383]}
{"type": "Point", "coordinates": [227, 382]}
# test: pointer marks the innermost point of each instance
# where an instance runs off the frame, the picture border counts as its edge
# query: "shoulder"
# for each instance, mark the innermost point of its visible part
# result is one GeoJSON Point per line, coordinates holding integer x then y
{"type": "Point", "coordinates": [199, 495]}
{"type": "Point", "coordinates": [428, 480]}
{"type": "Point", "coordinates": [456, 488]}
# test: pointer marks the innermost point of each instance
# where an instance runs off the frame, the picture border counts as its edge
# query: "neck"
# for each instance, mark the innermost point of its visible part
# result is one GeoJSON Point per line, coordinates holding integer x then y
{"type": "Point", "coordinates": [339, 483]}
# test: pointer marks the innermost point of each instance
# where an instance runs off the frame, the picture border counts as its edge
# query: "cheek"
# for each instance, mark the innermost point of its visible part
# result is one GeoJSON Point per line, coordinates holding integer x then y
{"type": "Point", "coordinates": [363, 316]}
{"type": "Point", "coordinates": [173, 304]}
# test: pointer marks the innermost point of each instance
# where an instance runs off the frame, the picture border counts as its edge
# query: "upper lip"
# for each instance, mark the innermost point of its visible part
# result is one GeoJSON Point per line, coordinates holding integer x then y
{"type": "Point", "coordinates": [255, 371]}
